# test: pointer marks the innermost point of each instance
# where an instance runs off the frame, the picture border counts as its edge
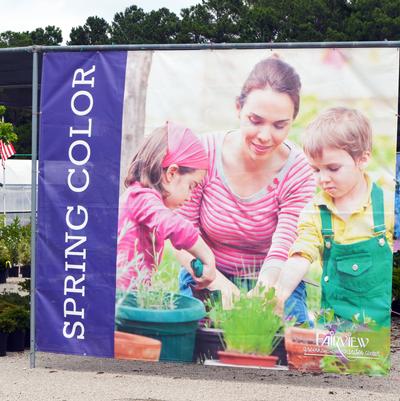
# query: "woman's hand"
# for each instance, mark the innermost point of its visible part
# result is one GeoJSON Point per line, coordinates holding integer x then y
{"type": "Point", "coordinates": [229, 291]}
{"type": "Point", "coordinates": [266, 279]}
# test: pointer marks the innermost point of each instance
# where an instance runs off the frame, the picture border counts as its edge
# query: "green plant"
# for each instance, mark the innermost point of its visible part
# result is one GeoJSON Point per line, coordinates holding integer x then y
{"type": "Point", "coordinates": [19, 315]}
{"type": "Point", "coordinates": [372, 359]}
{"type": "Point", "coordinates": [24, 251]}
{"type": "Point", "coordinates": [11, 235]}
{"type": "Point", "coordinates": [150, 298]}
{"type": "Point", "coordinates": [7, 324]}
{"type": "Point", "coordinates": [251, 325]}
{"type": "Point", "coordinates": [4, 255]}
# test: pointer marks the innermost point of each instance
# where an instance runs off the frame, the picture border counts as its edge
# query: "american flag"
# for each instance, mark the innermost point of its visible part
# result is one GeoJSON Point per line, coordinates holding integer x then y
{"type": "Point", "coordinates": [6, 151]}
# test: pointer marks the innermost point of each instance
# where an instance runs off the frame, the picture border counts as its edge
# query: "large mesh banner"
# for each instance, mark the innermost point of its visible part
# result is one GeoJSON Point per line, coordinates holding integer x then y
{"type": "Point", "coordinates": [229, 207]}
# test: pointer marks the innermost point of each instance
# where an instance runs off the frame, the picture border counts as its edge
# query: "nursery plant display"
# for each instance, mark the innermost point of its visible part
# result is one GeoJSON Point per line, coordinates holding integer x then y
{"type": "Point", "coordinates": [15, 319]}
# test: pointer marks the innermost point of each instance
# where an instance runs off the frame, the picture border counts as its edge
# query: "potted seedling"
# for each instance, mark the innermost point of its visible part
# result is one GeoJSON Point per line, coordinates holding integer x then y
{"type": "Point", "coordinates": [250, 331]}
{"type": "Point", "coordinates": [149, 309]}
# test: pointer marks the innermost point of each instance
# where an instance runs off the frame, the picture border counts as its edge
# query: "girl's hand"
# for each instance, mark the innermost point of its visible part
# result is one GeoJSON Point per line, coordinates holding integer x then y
{"type": "Point", "coordinates": [208, 276]}
{"type": "Point", "coordinates": [229, 291]}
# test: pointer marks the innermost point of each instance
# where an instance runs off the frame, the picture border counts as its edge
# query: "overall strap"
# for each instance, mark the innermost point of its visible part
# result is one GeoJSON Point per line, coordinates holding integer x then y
{"type": "Point", "coordinates": [378, 209]}
{"type": "Point", "coordinates": [326, 221]}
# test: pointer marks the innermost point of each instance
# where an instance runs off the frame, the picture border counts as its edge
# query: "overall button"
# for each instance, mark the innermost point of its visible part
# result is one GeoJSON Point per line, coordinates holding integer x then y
{"type": "Point", "coordinates": [326, 279]}
{"type": "Point", "coordinates": [381, 241]}
{"type": "Point", "coordinates": [328, 244]}
{"type": "Point", "coordinates": [355, 267]}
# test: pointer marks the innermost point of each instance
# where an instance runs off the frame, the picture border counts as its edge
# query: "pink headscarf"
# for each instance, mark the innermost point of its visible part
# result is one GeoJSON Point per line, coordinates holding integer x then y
{"type": "Point", "coordinates": [184, 148]}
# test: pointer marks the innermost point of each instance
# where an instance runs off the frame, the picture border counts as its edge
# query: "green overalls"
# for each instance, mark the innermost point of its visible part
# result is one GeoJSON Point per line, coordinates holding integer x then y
{"type": "Point", "coordinates": [357, 277]}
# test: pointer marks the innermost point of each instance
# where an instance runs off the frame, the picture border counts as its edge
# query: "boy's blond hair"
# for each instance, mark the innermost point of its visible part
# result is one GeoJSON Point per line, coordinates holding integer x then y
{"type": "Point", "coordinates": [338, 127]}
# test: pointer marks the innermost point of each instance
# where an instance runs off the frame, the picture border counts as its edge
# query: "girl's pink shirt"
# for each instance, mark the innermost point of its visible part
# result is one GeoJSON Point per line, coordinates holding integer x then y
{"type": "Point", "coordinates": [144, 224]}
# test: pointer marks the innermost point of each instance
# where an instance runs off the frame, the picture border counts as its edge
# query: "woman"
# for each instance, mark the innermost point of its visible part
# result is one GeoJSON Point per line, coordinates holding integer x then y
{"type": "Point", "coordinates": [248, 205]}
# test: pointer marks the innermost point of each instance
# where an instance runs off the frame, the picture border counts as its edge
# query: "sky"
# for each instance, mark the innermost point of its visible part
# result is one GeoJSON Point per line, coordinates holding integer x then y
{"type": "Point", "coordinates": [27, 15]}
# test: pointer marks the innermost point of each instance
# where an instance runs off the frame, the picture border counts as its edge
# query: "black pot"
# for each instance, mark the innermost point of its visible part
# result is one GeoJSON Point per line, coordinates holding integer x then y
{"type": "Point", "coordinates": [27, 338]}
{"type": "Point", "coordinates": [208, 343]}
{"type": "Point", "coordinates": [3, 275]}
{"type": "Point", "coordinates": [26, 271]}
{"type": "Point", "coordinates": [3, 344]}
{"type": "Point", "coordinates": [396, 306]}
{"type": "Point", "coordinates": [280, 350]}
{"type": "Point", "coordinates": [16, 341]}
{"type": "Point", "coordinates": [13, 272]}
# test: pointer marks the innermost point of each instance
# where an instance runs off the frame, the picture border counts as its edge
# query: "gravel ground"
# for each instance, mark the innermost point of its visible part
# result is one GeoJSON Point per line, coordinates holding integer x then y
{"type": "Point", "coordinates": [77, 378]}
{"type": "Point", "coordinates": [70, 378]}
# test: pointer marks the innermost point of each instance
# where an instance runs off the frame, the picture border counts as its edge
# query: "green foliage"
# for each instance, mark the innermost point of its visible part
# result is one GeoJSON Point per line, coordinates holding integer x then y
{"type": "Point", "coordinates": [50, 36]}
{"type": "Point", "coordinates": [7, 324]}
{"type": "Point", "coordinates": [251, 325]}
{"type": "Point", "coordinates": [166, 276]}
{"type": "Point", "coordinates": [7, 133]}
{"type": "Point", "coordinates": [375, 358]}
{"type": "Point", "coordinates": [11, 235]}
{"type": "Point", "coordinates": [159, 299]}
{"type": "Point", "coordinates": [4, 255]}
{"type": "Point", "coordinates": [14, 312]}
{"type": "Point", "coordinates": [25, 285]}
{"type": "Point", "coordinates": [96, 31]}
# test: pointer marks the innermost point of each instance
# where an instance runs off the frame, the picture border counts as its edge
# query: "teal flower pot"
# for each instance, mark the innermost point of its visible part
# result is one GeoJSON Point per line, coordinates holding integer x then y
{"type": "Point", "coordinates": [175, 328]}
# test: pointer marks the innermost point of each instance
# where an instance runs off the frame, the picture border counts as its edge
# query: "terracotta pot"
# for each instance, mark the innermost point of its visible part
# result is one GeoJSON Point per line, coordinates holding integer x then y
{"type": "Point", "coordinates": [237, 358]}
{"type": "Point", "coordinates": [305, 348]}
{"type": "Point", "coordinates": [133, 346]}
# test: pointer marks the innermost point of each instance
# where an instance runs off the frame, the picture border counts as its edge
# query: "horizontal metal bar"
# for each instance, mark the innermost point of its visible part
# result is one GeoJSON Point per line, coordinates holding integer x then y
{"type": "Point", "coordinates": [203, 46]}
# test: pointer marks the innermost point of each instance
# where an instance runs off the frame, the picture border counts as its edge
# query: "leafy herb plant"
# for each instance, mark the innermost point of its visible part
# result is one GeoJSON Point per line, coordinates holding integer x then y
{"type": "Point", "coordinates": [251, 325]}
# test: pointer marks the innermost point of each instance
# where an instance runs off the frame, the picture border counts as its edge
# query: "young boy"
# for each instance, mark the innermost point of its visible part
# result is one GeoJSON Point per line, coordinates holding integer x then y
{"type": "Point", "coordinates": [349, 223]}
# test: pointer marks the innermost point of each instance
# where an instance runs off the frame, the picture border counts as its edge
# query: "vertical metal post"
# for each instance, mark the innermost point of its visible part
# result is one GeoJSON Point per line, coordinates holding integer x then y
{"type": "Point", "coordinates": [35, 83]}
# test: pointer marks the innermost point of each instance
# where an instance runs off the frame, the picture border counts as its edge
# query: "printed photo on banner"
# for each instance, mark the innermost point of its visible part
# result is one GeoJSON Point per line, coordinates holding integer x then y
{"type": "Point", "coordinates": [256, 208]}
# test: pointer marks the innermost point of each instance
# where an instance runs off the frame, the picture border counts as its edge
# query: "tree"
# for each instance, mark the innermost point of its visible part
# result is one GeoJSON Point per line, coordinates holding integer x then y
{"type": "Point", "coordinates": [15, 39]}
{"type": "Point", "coordinates": [96, 31]}
{"type": "Point", "coordinates": [49, 36]}
{"type": "Point", "coordinates": [127, 26]}
{"type": "Point", "coordinates": [215, 21]}
{"type": "Point", "coordinates": [7, 133]}
{"type": "Point", "coordinates": [161, 26]}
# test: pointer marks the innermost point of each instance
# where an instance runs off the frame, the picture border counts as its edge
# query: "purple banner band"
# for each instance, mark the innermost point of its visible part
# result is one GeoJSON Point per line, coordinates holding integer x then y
{"type": "Point", "coordinates": [79, 162]}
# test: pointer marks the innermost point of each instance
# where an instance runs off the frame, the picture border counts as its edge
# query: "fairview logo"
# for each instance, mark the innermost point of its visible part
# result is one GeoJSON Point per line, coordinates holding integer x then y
{"type": "Point", "coordinates": [340, 340]}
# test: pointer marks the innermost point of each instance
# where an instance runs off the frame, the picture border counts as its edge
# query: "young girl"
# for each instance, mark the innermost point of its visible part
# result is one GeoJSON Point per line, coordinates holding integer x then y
{"type": "Point", "coordinates": [163, 173]}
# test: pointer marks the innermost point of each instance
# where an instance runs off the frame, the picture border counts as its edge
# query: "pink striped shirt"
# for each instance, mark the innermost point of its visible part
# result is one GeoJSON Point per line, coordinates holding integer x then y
{"type": "Point", "coordinates": [245, 232]}
{"type": "Point", "coordinates": [144, 223]}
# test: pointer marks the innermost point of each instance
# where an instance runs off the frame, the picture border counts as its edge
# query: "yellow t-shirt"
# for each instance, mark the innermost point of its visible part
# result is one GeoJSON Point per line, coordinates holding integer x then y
{"type": "Point", "coordinates": [357, 227]}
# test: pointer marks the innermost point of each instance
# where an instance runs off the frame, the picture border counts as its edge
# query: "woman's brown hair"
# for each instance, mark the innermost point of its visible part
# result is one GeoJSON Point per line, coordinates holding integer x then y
{"type": "Point", "coordinates": [275, 74]}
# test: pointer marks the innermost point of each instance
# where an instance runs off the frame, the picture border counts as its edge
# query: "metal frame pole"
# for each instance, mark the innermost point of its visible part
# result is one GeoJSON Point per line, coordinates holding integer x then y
{"type": "Point", "coordinates": [33, 203]}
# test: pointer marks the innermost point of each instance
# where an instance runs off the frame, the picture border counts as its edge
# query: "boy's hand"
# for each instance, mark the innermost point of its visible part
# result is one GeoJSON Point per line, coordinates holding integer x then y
{"type": "Point", "coordinates": [229, 291]}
